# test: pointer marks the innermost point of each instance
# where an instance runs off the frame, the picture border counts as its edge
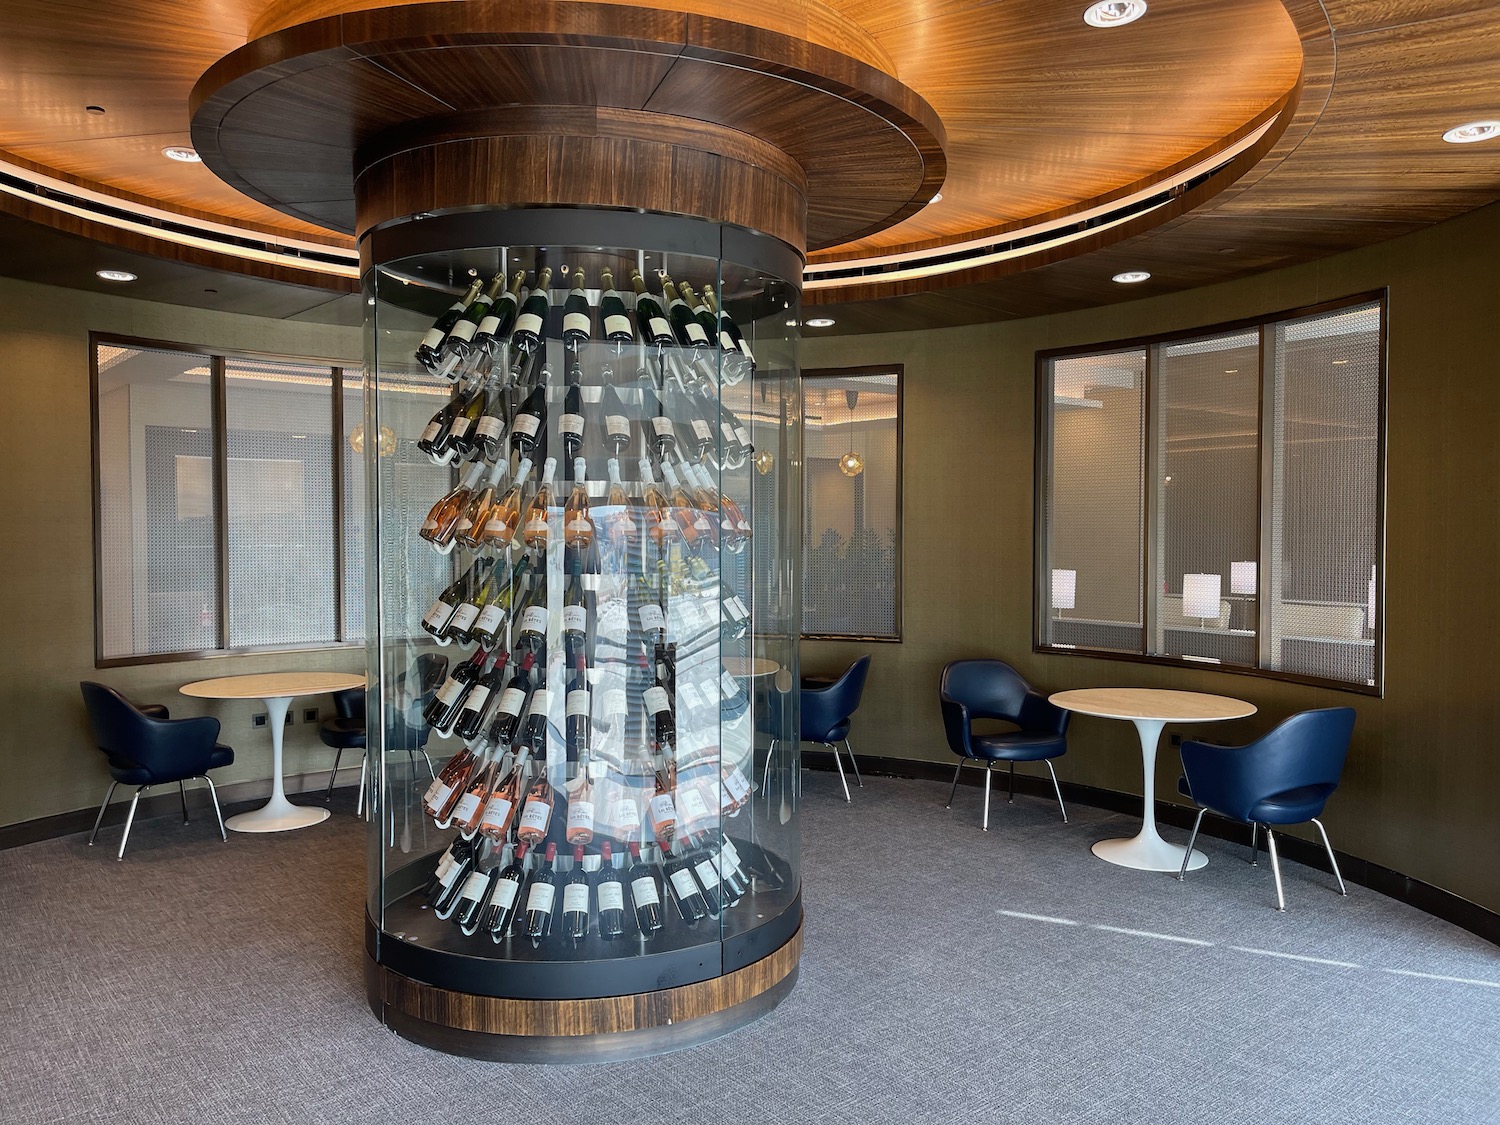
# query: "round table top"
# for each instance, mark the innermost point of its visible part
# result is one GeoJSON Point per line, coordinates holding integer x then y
{"type": "Point", "coordinates": [756, 666]}
{"type": "Point", "coordinates": [1152, 703]}
{"type": "Point", "coordinates": [271, 685]}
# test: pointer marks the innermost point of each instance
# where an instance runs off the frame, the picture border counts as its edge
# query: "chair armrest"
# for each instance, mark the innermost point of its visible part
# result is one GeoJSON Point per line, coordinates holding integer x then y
{"type": "Point", "coordinates": [955, 725]}
{"type": "Point", "coordinates": [1226, 779]}
{"type": "Point", "coordinates": [1038, 713]}
{"type": "Point", "coordinates": [154, 710]}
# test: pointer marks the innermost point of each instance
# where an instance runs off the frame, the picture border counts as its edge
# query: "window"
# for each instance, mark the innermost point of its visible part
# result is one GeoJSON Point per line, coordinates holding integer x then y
{"type": "Point", "coordinates": [851, 570]}
{"type": "Point", "coordinates": [1216, 497]}
{"type": "Point", "coordinates": [222, 503]}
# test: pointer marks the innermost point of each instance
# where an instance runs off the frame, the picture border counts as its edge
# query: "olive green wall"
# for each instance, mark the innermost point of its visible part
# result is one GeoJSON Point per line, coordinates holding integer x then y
{"type": "Point", "coordinates": [1421, 791]}
{"type": "Point", "coordinates": [47, 551]}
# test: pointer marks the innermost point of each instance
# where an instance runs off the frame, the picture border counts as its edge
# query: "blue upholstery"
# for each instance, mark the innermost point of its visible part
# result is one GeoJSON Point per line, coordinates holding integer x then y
{"type": "Point", "coordinates": [346, 729]}
{"type": "Point", "coordinates": [825, 711]}
{"type": "Point", "coordinates": [1284, 777]}
{"type": "Point", "coordinates": [992, 689]}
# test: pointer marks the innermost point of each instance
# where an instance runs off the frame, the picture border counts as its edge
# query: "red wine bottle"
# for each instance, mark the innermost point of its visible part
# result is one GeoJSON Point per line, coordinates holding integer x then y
{"type": "Point", "coordinates": [446, 901]}
{"type": "Point", "coordinates": [609, 896]}
{"type": "Point", "coordinates": [541, 898]}
{"type": "Point", "coordinates": [443, 710]}
{"type": "Point", "coordinates": [451, 859]}
{"type": "Point", "coordinates": [686, 892]}
{"type": "Point", "coordinates": [502, 729]}
{"type": "Point", "coordinates": [481, 698]}
{"type": "Point", "coordinates": [707, 875]}
{"type": "Point", "coordinates": [500, 911]}
{"type": "Point", "coordinates": [645, 893]}
{"type": "Point", "coordinates": [575, 904]}
{"type": "Point", "coordinates": [472, 897]}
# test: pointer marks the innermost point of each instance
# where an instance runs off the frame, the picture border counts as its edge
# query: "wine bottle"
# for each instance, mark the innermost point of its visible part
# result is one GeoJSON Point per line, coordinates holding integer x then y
{"type": "Point", "coordinates": [502, 729]}
{"type": "Point", "coordinates": [536, 530]}
{"type": "Point", "coordinates": [624, 532]}
{"type": "Point", "coordinates": [436, 619]}
{"type": "Point", "coordinates": [445, 786]}
{"type": "Point", "coordinates": [533, 734]}
{"type": "Point", "coordinates": [500, 911]}
{"type": "Point", "coordinates": [498, 320]}
{"type": "Point", "coordinates": [661, 811]}
{"type": "Point", "coordinates": [536, 814]}
{"type": "Point", "coordinates": [578, 524]}
{"type": "Point", "coordinates": [734, 697]}
{"type": "Point", "coordinates": [700, 310]}
{"type": "Point", "coordinates": [609, 896]}
{"type": "Point", "coordinates": [427, 350]}
{"type": "Point", "coordinates": [497, 525]}
{"type": "Point", "coordinates": [500, 804]}
{"type": "Point", "coordinates": [662, 433]}
{"type": "Point", "coordinates": [656, 513]}
{"type": "Point", "coordinates": [578, 325]}
{"type": "Point", "coordinates": [532, 621]}
{"type": "Point", "coordinates": [471, 899]}
{"type": "Point", "coordinates": [453, 882]}
{"type": "Point", "coordinates": [433, 440]}
{"type": "Point", "coordinates": [527, 421]}
{"type": "Point", "coordinates": [613, 317]}
{"type": "Point", "coordinates": [442, 520]}
{"type": "Point", "coordinates": [448, 862]}
{"type": "Point", "coordinates": [734, 528]}
{"type": "Point", "coordinates": [739, 361]}
{"type": "Point", "coordinates": [575, 615]}
{"type": "Point", "coordinates": [580, 825]}
{"type": "Point", "coordinates": [651, 321]}
{"type": "Point", "coordinates": [481, 698]}
{"type": "Point", "coordinates": [699, 435]}
{"type": "Point", "coordinates": [570, 423]}
{"type": "Point", "coordinates": [449, 698]}
{"type": "Point", "coordinates": [461, 624]}
{"type": "Point", "coordinates": [707, 877]}
{"type": "Point", "coordinates": [698, 532]}
{"type": "Point", "coordinates": [734, 616]}
{"type": "Point", "coordinates": [468, 808]}
{"type": "Point", "coordinates": [468, 528]}
{"type": "Point", "coordinates": [575, 908]}
{"type": "Point", "coordinates": [460, 338]}
{"type": "Point", "coordinates": [645, 894]}
{"type": "Point", "coordinates": [686, 892]}
{"type": "Point", "coordinates": [693, 813]}
{"type": "Point", "coordinates": [685, 327]}
{"type": "Point", "coordinates": [488, 435]}
{"type": "Point", "coordinates": [616, 421]}
{"type": "Point", "coordinates": [526, 336]}
{"type": "Point", "coordinates": [542, 897]}
{"type": "Point", "coordinates": [494, 612]}
{"type": "Point", "coordinates": [465, 418]}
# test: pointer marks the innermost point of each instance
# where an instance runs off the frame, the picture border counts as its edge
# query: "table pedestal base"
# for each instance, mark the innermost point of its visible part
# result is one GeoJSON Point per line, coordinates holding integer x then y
{"type": "Point", "coordinates": [277, 815]}
{"type": "Point", "coordinates": [1147, 853]}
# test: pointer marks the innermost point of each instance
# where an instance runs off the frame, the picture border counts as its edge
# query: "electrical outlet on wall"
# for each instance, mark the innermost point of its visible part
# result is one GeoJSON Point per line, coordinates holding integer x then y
{"type": "Point", "coordinates": [259, 720]}
{"type": "Point", "coordinates": [1176, 739]}
{"type": "Point", "coordinates": [309, 714]}
{"type": "Point", "coordinates": [290, 717]}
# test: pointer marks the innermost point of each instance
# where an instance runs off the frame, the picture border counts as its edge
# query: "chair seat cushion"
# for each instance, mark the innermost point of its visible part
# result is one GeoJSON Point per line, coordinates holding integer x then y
{"type": "Point", "coordinates": [837, 733]}
{"type": "Point", "coordinates": [1018, 746]}
{"type": "Point", "coordinates": [1293, 806]}
{"type": "Point", "coordinates": [128, 773]}
{"type": "Point", "coordinates": [343, 734]}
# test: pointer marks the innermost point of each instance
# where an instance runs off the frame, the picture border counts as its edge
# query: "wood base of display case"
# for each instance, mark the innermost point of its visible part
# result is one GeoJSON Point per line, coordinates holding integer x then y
{"type": "Point", "coordinates": [606, 1029]}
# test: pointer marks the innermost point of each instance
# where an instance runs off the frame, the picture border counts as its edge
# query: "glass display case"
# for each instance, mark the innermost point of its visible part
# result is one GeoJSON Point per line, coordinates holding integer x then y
{"type": "Point", "coordinates": [583, 611]}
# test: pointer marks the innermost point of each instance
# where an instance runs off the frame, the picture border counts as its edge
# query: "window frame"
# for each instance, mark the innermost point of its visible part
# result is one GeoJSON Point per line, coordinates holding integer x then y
{"type": "Point", "coordinates": [1042, 460]}
{"type": "Point", "coordinates": [216, 358]}
{"type": "Point", "coordinates": [899, 370]}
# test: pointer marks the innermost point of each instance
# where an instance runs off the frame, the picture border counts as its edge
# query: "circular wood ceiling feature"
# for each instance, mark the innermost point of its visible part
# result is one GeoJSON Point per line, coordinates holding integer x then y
{"type": "Point", "coordinates": [283, 118]}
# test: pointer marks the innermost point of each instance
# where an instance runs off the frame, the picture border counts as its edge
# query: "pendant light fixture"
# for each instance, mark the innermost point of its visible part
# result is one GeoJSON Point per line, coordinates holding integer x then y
{"type": "Point", "coordinates": [851, 464]}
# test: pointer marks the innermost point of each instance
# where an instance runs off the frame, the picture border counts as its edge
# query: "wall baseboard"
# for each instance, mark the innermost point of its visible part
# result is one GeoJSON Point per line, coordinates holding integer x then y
{"type": "Point", "coordinates": [1393, 884]}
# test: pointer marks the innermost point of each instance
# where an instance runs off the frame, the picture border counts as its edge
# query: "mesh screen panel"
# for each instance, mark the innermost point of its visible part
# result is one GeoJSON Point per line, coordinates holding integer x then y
{"type": "Point", "coordinates": [1323, 426]}
{"type": "Point", "coordinates": [354, 508]}
{"type": "Point", "coordinates": [280, 503]}
{"type": "Point", "coordinates": [1091, 585]}
{"type": "Point", "coordinates": [851, 538]}
{"type": "Point", "coordinates": [158, 577]}
{"type": "Point", "coordinates": [1207, 403]}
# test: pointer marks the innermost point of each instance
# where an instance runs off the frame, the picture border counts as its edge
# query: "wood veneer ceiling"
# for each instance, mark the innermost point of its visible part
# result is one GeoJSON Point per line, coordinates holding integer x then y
{"type": "Point", "coordinates": [1045, 118]}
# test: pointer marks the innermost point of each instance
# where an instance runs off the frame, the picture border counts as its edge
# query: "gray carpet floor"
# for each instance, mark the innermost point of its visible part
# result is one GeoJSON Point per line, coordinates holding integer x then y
{"type": "Point", "coordinates": [949, 976]}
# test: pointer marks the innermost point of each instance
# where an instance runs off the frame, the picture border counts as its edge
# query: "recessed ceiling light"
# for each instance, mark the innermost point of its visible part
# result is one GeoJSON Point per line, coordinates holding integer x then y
{"type": "Point", "coordinates": [938, 198]}
{"type": "Point", "coordinates": [820, 322]}
{"type": "Point", "coordinates": [182, 155]}
{"type": "Point", "coordinates": [115, 275]}
{"type": "Point", "coordinates": [1114, 13]}
{"type": "Point", "coordinates": [1131, 277]}
{"type": "Point", "coordinates": [96, 110]}
{"type": "Point", "coordinates": [1472, 131]}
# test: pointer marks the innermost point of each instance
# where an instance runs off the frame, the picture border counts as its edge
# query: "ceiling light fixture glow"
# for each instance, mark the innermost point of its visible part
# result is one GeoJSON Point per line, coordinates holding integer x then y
{"type": "Point", "coordinates": [182, 155]}
{"type": "Point", "coordinates": [1471, 131]}
{"type": "Point", "coordinates": [1114, 13]}
{"type": "Point", "coordinates": [115, 275]}
{"type": "Point", "coordinates": [820, 322]}
{"type": "Point", "coordinates": [1131, 277]}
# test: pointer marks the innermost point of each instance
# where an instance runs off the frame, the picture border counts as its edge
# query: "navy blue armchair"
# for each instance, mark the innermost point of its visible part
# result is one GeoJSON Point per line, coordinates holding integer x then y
{"type": "Point", "coordinates": [406, 731]}
{"type": "Point", "coordinates": [992, 689]}
{"type": "Point", "coordinates": [1284, 777]}
{"type": "Point", "coordinates": [826, 710]}
{"type": "Point", "coordinates": [146, 747]}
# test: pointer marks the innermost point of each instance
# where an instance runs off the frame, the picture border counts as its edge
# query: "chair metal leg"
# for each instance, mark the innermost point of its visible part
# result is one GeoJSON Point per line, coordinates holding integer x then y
{"type": "Point", "coordinates": [182, 796]}
{"type": "Point", "coordinates": [840, 765]}
{"type": "Point", "coordinates": [850, 751]}
{"type": "Point", "coordinates": [338, 754]}
{"type": "Point", "coordinates": [214, 793]}
{"type": "Point", "coordinates": [984, 825]}
{"type": "Point", "coordinates": [98, 820]}
{"type": "Point", "coordinates": [129, 819]}
{"type": "Point", "coordinates": [1056, 788]}
{"type": "Point", "coordinates": [1254, 844]}
{"type": "Point", "coordinates": [431, 773]}
{"type": "Point", "coordinates": [1011, 797]}
{"type": "Point", "coordinates": [954, 789]}
{"type": "Point", "coordinates": [1193, 839]}
{"type": "Point", "coordinates": [1275, 867]}
{"type": "Point", "coordinates": [765, 773]}
{"type": "Point", "coordinates": [364, 769]}
{"type": "Point", "coordinates": [1327, 847]}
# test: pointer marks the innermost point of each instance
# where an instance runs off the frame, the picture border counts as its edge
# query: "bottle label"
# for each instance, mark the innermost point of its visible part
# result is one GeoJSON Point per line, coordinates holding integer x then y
{"type": "Point", "coordinates": [576, 898]}
{"type": "Point", "coordinates": [580, 817]}
{"type": "Point", "coordinates": [466, 615]}
{"type": "Point", "coordinates": [489, 426]}
{"type": "Point", "coordinates": [534, 817]}
{"type": "Point", "coordinates": [728, 431]}
{"type": "Point", "coordinates": [460, 426]}
{"type": "Point", "coordinates": [708, 875]}
{"type": "Point", "coordinates": [477, 699]}
{"type": "Point", "coordinates": [444, 865]}
{"type": "Point", "coordinates": [575, 618]}
{"type": "Point", "coordinates": [436, 794]}
{"type": "Point", "coordinates": [541, 897]}
{"type": "Point", "coordinates": [438, 615]}
{"type": "Point", "coordinates": [663, 427]}
{"type": "Point", "coordinates": [541, 701]}
{"type": "Point", "coordinates": [742, 435]}
{"type": "Point", "coordinates": [496, 813]}
{"type": "Point", "coordinates": [652, 618]}
{"type": "Point", "coordinates": [740, 607]}
{"type": "Point", "coordinates": [728, 686]}
{"type": "Point", "coordinates": [467, 806]}
{"type": "Point", "coordinates": [613, 705]}
{"type": "Point", "coordinates": [611, 896]}
{"type": "Point", "coordinates": [534, 619]}
{"type": "Point", "coordinates": [726, 342]}
{"type": "Point", "coordinates": [450, 691]}
{"type": "Point", "coordinates": [659, 328]}
{"type": "Point", "coordinates": [656, 700]}
{"type": "Point", "coordinates": [474, 886]}
{"type": "Point", "coordinates": [511, 699]}
{"type": "Point", "coordinates": [689, 694]}
{"type": "Point", "coordinates": [617, 325]}
{"type": "Point", "coordinates": [538, 525]}
{"type": "Point", "coordinates": [583, 526]}
{"type": "Point", "coordinates": [684, 883]}
{"type": "Point", "coordinates": [451, 876]}
{"type": "Point", "coordinates": [702, 430]}
{"type": "Point", "coordinates": [429, 524]}
{"type": "Point", "coordinates": [576, 322]}
{"type": "Point", "coordinates": [643, 890]}
{"type": "Point", "coordinates": [505, 893]}
{"type": "Point", "coordinates": [617, 425]}
{"type": "Point", "coordinates": [528, 324]}
{"type": "Point", "coordinates": [736, 788]}
{"type": "Point", "coordinates": [695, 332]}
{"type": "Point", "coordinates": [578, 703]}
{"type": "Point", "coordinates": [488, 325]}
{"type": "Point", "coordinates": [570, 424]}
{"type": "Point", "coordinates": [663, 812]}
{"type": "Point", "coordinates": [692, 805]}
{"type": "Point", "coordinates": [431, 430]}
{"type": "Point", "coordinates": [525, 424]}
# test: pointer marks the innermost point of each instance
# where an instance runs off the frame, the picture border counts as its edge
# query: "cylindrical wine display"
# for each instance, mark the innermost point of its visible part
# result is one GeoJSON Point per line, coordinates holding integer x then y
{"type": "Point", "coordinates": [591, 526]}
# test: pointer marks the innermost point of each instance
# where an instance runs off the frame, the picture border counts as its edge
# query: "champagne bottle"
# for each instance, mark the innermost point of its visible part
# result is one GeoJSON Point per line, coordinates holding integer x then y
{"type": "Point", "coordinates": [434, 437]}
{"type": "Point", "coordinates": [500, 804]}
{"type": "Point", "coordinates": [738, 358]}
{"type": "Point", "coordinates": [536, 531]}
{"type": "Point", "coordinates": [700, 434]}
{"type": "Point", "coordinates": [645, 893]}
{"type": "Point", "coordinates": [449, 698]}
{"type": "Point", "coordinates": [613, 316]}
{"type": "Point", "coordinates": [481, 698]}
{"type": "Point", "coordinates": [502, 728]}
{"type": "Point", "coordinates": [436, 619]}
{"type": "Point", "coordinates": [428, 349]}
{"type": "Point", "coordinates": [498, 320]}
{"type": "Point", "coordinates": [542, 897]}
{"type": "Point", "coordinates": [616, 421]}
{"type": "Point", "coordinates": [686, 893]}
{"type": "Point", "coordinates": [661, 811]}
{"type": "Point", "coordinates": [655, 511]}
{"type": "Point", "coordinates": [580, 825]}
{"type": "Point", "coordinates": [441, 522]}
{"type": "Point", "coordinates": [526, 336]}
{"type": "Point", "coordinates": [500, 911]}
{"type": "Point", "coordinates": [662, 433]}
{"type": "Point", "coordinates": [472, 897]}
{"type": "Point", "coordinates": [624, 532]}
{"type": "Point", "coordinates": [575, 907]}
{"type": "Point", "coordinates": [527, 422]}
{"type": "Point", "coordinates": [494, 419]}
{"type": "Point", "coordinates": [469, 530]}
{"type": "Point", "coordinates": [536, 814]}
{"type": "Point", "coordinates": [465, 418]}
{"type": "Point", "coordinates": [460, 626]}
{"type": "Point", "coordinates": [460, 339]}
{"type": "Point", "coordinates": [685, 327]}
{"type": "Point", "coordinates": [609, 896]}
{"type": "Point", "coordinates": [578, 524]}
{"type": "Point", "coordinates": [497, 525]}
{"type": "Point", "coordinates": [532, 621]}
{"type": "Point", "coordinates": [699, 306]}
{"type": "Point", "coordinates": [570, 423]}
{"type": "Point", "coordinates": [578, 325]}
{"type": "Point", "coordinates": [495, 611]}
{"type": "Point", "coordinates": [652, 322]}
